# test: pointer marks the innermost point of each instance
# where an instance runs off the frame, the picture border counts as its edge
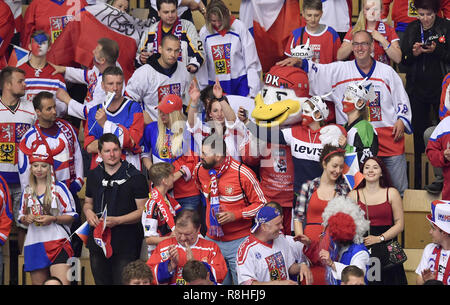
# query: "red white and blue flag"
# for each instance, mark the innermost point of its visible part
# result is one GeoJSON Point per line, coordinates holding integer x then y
{"type": "Point", "coordinates": [351, 172]}
{"type": "Point", "coordinates": [18, 56]}
{"type": "Point", "coordinates": [83, 232]}
{"type": "Point", "coordinates": [102, 235]}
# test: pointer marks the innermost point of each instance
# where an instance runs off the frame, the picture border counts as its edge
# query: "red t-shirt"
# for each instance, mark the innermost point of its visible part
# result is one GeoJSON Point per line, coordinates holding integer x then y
{"type": "Point", "coordinates": [379, 53]}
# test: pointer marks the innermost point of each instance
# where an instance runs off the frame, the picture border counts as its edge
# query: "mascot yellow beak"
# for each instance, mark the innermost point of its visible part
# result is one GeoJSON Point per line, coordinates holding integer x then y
{"type": "Point", "coordinates": [273, 114]}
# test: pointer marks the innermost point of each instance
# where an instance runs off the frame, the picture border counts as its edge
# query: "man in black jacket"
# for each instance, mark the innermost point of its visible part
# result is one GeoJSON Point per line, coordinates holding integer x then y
{"type": "Point", "coordinates": [426, 54]}
{"type": "Point", "coordinates": [123, 190]}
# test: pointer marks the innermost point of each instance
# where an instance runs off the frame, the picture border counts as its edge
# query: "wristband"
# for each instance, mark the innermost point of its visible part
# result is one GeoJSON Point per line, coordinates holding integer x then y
{"type": "Point", "coordinates": [389, 45]}
{"type": "Point", "coordinates": [194, 106]}
{"type": "Point", "coordinates": [222, 98]}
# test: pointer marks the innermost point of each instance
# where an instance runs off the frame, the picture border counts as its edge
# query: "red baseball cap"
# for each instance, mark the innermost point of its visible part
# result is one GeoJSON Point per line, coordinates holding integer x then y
{"type": "Point", "coordinates": [170, 103]}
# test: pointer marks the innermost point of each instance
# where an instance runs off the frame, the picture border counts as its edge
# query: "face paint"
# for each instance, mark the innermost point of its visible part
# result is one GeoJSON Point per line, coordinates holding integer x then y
{"type": "Point", "coordinates": [306, 114]}
{"type": "Point", "coordinates": [348, 106]}
{"type": "Point", "coordinates": [306, 120]}
{"type": "Point", "coordinates": [372, 11]}
{"type": "Point", "coordinates": [39, 45]}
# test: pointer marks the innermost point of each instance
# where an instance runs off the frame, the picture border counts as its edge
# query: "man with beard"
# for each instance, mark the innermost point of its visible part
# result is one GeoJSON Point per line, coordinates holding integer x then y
{"type": "Point", "coordinates": [17, 116]}
{"type": "Point", "coordinates": [233, 197]}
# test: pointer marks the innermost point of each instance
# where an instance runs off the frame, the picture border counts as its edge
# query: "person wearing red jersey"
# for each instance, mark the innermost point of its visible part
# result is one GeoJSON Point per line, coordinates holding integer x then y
{"type": "Point", "coordinates": [51, 16]}
{"type": "Point", "coordinates": [233, 197]}
{"type": "Point", "coordinates": [323, 39]}
{"type": "Point", "coordinates": [386, 47]}
{"type": "Point", "coordinates": [172, 254]}
{"type": "Point", "coordinates": [6, 217]}
{"type": "Point", "coordinates": [6, 31]}
{"type": "Point", "coordinates": [404, 12]}
{"type": "Point", "coordinates": [159, 211]}
{"type": "Point", "coordinates": [39, 73]}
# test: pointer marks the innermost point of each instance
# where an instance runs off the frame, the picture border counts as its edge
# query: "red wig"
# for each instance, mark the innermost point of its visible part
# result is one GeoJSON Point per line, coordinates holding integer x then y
{"type": "Point", "coordinates": [341, 227]}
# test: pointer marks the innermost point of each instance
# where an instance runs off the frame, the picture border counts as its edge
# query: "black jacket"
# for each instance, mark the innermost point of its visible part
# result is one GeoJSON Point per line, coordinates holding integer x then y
{"type": "Point", "coordinates": [441, 55]}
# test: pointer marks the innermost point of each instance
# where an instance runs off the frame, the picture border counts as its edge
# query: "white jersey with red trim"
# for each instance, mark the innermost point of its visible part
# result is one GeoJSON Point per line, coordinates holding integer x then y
{"type": "Point", "coordinates": [392, 102]}
{"type": "Point", "coordinates": [148, 85]}
{"type": "Point", "coordinates": [38, 80]}
{"type": "Point", "coordinates": [263, 262]}
{"type": "Point", "coordinates": [13, 125]}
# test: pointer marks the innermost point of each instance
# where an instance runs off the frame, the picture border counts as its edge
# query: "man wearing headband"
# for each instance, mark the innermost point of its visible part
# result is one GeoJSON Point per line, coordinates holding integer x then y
{"type": "Point", "coordinates": [265, 258]}
{"type": "Point", "coordinates": [39, 74]}
{"type": "Point", "coordinates": [435, 262]}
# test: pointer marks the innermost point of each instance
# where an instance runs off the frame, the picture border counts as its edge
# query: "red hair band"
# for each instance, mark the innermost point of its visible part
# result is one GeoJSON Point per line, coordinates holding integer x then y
{"type": "Point", "coordinates": [339, 150]}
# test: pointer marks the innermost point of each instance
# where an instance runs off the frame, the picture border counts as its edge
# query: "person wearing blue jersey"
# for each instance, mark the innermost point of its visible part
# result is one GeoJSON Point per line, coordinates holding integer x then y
{"type": "Point", "coordinates": [118, 115]}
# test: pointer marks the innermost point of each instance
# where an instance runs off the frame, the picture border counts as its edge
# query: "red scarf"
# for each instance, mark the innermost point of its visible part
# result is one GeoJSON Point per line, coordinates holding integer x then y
{"type": "Point", "coordinates": [214, 203]}
{"type": "Point", "coordinates": [224, 31]}
{"type": "Point", "coordinates": [437, 253]}
{"type": "Point", "coordinates": [175, 30]}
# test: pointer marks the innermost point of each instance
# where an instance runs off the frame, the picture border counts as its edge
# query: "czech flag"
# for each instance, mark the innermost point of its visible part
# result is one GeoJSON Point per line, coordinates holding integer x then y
{"type": "Point", "coordinates": [83, 232]}
{"type": "Point", "coordinates": [273, 23]}
{"type": "Point", "coordinates": [18, 56]}
{"type": "Point", "coordinates": [102, 235]}
{"type": "Point", "coordinates": [351, 172]}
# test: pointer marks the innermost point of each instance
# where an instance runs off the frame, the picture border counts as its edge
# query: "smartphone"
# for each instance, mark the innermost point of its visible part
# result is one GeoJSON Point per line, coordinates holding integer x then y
{"type": "Point", "coordinates": [245, 113]}
{"type": "Point", "coordinates": [426, 44]}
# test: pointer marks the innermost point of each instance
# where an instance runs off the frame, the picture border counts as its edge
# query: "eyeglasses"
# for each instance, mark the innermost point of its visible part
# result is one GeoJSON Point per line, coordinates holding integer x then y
{"type": "Point", "coordinates": [362, 44]}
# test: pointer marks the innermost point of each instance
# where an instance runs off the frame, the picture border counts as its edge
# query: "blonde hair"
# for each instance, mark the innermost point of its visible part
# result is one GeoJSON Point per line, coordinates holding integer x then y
{"type": "Point", "coordinates": [177, 123]}
{"type": "Point", "coordinates": [46, 205]}
{"type": "Point", "coordinates": [218, 8]}
{"type": "Point", "coordinates": [361, 22]}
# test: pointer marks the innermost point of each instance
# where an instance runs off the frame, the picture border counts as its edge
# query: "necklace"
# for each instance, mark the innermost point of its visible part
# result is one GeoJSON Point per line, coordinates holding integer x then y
{"type": "Point", "coordinates": [309, 134]}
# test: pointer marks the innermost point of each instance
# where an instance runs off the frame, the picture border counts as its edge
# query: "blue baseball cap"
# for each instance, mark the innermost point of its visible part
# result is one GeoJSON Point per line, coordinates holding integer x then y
{"type": "Point", "coordinates": [265, 214]}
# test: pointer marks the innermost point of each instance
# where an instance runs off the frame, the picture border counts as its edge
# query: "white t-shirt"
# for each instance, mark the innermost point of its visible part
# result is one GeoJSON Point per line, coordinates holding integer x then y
{"type": "Point", "coordinates": [428, 261]}
{"type": "Point", "coordinates": [259, 261]}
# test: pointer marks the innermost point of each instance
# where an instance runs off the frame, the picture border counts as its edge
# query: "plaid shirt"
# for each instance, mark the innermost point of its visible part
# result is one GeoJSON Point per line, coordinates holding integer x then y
{"type": "Point", "coordinates": [308, 188]}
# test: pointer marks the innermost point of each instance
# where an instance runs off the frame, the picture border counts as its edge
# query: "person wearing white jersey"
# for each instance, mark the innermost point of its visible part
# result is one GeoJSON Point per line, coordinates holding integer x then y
{"type": "Point", "coordinates": [390, 113]}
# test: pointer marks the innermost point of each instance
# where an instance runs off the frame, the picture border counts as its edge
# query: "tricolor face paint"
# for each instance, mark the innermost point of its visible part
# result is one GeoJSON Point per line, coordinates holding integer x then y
{"type": "Point", "coordinates": [39, 45]}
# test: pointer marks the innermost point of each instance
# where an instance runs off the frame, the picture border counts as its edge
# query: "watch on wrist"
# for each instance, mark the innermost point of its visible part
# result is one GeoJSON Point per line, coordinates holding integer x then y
{"type": "Point", "coordinates": [382, 237]}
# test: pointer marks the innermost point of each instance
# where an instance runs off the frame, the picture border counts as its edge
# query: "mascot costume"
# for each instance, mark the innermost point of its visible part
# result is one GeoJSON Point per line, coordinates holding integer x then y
{"type": "Point", "coordinates": [278, 110]}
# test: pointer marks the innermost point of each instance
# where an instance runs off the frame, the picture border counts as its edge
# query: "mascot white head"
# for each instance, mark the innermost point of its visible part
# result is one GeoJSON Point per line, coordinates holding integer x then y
{"type": "Point", "coordinates": [280, 101]}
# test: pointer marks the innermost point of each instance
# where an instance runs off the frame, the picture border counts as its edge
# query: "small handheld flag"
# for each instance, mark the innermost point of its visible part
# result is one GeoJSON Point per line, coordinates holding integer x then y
{"type": "Point", "coordinates": [18, 56]}
{"type": "Point", "coordinates": [102, 235]}
{"type": "Point", "coordinates": [83, 232]}
{"type": "Point", "coordinates": [351, 172]}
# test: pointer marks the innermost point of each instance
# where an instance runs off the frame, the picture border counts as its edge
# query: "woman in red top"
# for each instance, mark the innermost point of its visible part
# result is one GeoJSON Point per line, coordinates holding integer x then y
{"type": "Point", "coordinates": [386, 41]}
{"type": "Point", "coordinates": [313, 199]}
{"type": "Point", "coordinates": [383, 207]}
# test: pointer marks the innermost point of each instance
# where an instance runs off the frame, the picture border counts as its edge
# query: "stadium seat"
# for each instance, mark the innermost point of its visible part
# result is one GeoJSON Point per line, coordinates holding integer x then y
{"type": "Point", "coordinates": [416, 205]}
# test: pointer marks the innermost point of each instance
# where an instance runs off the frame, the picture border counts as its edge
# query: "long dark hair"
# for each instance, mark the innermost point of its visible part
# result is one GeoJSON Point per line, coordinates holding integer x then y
{"type": "Point", "coordinates": [385, 179]}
